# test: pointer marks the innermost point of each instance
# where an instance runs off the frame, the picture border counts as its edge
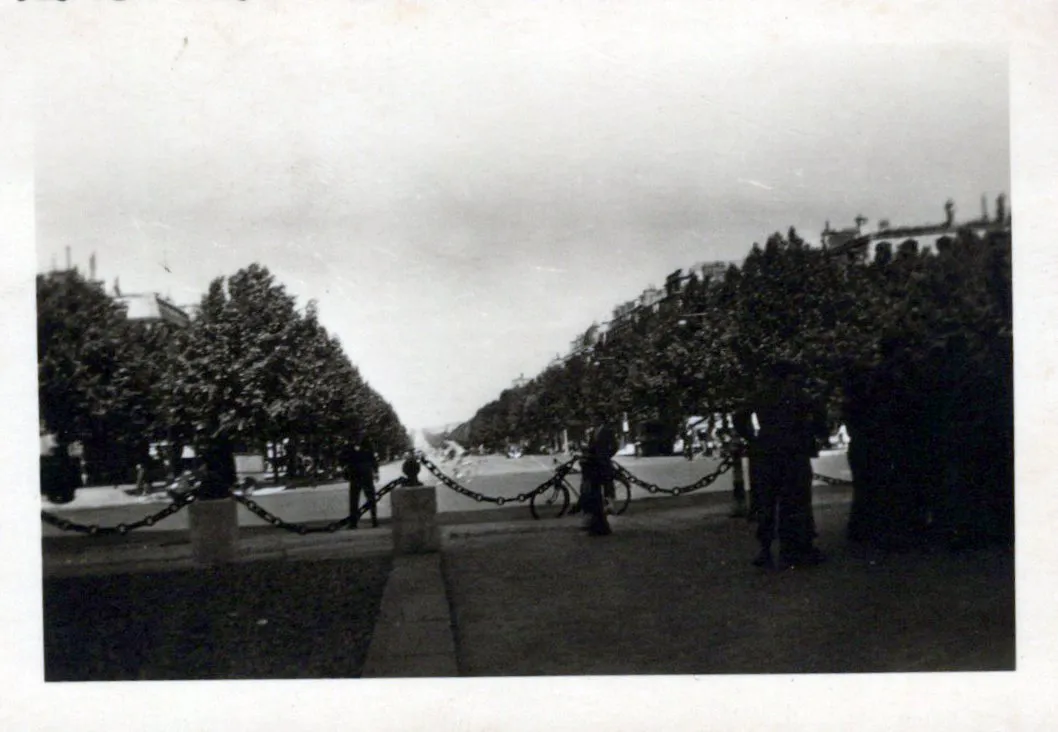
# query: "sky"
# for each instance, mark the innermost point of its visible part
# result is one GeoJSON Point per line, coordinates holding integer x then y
{"type": "Point", "coordinates": [463, 191]}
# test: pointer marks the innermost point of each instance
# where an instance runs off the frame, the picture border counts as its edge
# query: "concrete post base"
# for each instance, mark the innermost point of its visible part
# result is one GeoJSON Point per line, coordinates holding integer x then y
{"type": "Point", "coordinates": [214, 528]}
{"type": "Point", "coordinates": [415, 529]}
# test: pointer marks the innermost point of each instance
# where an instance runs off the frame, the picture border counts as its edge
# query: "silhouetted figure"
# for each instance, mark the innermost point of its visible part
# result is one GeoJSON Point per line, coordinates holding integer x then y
{"type": "Point", "coordinates": [597, 480]}
{"type": "Point", "coordinates": [785, 443]}
{"type": "Point", "coordinates": [361, 468]}
{"type": "Point", "coordinates": [218, 473]}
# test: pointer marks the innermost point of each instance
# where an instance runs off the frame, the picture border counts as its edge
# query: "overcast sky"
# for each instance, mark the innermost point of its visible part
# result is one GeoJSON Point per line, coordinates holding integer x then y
{"type": "Point", "coordinates": [463, 192]}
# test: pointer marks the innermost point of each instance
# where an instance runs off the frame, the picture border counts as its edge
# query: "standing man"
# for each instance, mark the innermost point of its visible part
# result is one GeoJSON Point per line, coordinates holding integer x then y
{"type": "Point", "coordinates": [141, 480]}
{"type": "Point", "coordinates": [784, 445]}
{"type": "Point", "coordinates": [597, 485]}
{"type": "Point", "coordinates": [361, 468]}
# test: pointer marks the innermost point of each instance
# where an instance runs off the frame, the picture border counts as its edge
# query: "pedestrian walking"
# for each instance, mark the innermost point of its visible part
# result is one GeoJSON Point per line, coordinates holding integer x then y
{"type": "Point", "coordinates": [782, 446]}
{"type": "Point", "coordinates": [141, 479]}
{"type": "Point", "coordinates": [597, 480]}
{"type": "Point", "coordinates": [361, 469]}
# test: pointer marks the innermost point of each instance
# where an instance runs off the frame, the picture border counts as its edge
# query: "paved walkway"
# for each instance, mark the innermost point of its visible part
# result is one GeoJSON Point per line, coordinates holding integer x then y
{"type": "Point", "coordinates": [414, 632]}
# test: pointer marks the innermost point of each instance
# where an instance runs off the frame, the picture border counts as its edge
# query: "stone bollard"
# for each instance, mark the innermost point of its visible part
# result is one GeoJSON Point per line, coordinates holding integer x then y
{"type": "Point", "coordinates": [415, 529]}
{"type": "Point", "coordinates": [214, 528]}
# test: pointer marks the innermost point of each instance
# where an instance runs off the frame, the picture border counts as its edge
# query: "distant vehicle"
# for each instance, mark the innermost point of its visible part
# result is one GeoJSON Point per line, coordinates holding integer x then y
{"type": "Point", "coordinates": [188, 481]}
{"type": "Point", "coordinates": [182, 485]}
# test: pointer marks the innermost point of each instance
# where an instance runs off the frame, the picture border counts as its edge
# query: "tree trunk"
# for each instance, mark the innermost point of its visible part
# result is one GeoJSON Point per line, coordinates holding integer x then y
{"type": "Point", "coordinates": [293, 468]}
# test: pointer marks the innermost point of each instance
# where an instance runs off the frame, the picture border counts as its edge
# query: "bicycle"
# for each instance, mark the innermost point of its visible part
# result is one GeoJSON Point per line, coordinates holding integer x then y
{"type": "Point", "coordinates": [555, 501]}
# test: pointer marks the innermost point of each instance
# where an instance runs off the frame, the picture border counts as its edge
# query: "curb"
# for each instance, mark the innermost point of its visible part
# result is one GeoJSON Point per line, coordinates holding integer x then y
{"type": "Point", "coordinates": [136, 558]}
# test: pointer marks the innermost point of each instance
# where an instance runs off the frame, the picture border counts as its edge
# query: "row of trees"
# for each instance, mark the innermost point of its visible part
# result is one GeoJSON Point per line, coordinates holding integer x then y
{"type": "Point", "coordinates": [251, 370]}
{"type": "Point", "coordinates": [912, 349]}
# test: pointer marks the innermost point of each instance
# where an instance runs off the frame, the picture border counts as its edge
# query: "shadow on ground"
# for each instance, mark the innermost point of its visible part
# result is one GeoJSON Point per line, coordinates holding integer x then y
{"type": "Point", "coordinates": [682, 598]}
{"type": "Point", "coordinates": [256, 620]}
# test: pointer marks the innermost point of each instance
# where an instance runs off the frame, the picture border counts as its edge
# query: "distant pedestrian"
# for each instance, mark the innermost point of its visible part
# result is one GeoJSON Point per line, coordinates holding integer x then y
{"type": "Point", "coordinates": [787, 428]}
{"type": "Point", "coordinates": [597, 480]}
{"type": "Point", "coordinates": [843, 436]}
{"type": "Point", "coordinates": [361, 468]}
{"type": "Point", "coordinates": [141, 479]}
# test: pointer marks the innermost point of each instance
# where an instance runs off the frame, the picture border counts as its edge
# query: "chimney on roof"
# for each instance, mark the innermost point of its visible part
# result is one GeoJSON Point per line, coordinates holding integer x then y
{"type": "Point", "coordinates": [68, 265]}
{"type": "Point", "coordinates": [984, 207]}
{"type": "Point", "coordinates": [949, 213]}
{"type": "Point", "coordinates": [92, 267]}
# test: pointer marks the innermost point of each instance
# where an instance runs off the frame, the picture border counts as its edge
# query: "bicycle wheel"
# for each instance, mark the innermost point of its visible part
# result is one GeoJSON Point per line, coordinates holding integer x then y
{"type": "Point", "coordinates": [551, 503]}
{"type": "Point", "coordinates": [622, 496]}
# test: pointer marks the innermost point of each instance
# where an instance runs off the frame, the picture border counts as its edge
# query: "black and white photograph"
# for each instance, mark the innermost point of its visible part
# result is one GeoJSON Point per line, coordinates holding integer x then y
{"type": "Point", "coordinates": [565, 346]}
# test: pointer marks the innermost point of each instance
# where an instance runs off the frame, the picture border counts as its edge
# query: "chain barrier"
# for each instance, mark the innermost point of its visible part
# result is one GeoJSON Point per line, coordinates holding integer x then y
{"type": "Point", "coordinates": [560, 473]}
{"type": "Point", "coordinates": [725, 464]}
{"type": "Point", "coordinates": [263, 513]}
{"type": "Point", "coordinates": [185, 499]}
{"type": "Point", "coordinates": [564, 470]}
{"type": "Point", "coordinates": [830, 481]}
{"type": "Point", "coordinates": [178, 503]}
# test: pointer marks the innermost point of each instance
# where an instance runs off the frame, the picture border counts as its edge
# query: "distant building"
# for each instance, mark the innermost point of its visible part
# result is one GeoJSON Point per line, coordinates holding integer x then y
{"type": "Point", "coordinates": [149, 307]}
{"type": "Point", "coordinates": [711, 271]}
{"type": "Point", "coordinates": [519, 382]}
{"type": "Point", "coordinates": [624, 309]}
{"type": "Point", "coordinates": [858, 244]}
{"type": "Point", "coordinates": [651, 297]}
{"type": "Point", "coordinates": [153, 308]}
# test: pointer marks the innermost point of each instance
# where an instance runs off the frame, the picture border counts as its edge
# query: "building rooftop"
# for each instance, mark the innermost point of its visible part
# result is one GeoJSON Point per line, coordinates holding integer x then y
{"type": "Point", "coordinates": [152, 307]}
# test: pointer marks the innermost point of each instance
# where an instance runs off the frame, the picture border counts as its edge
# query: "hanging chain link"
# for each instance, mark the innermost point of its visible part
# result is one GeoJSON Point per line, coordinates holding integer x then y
{"type": "Point", "coordinates": [256, 508]}
{"type": "Point", "coordinates": [178, 503]}
{"type": "Point", "coordinates": [725, 464]}
{"type": "Point", "coordinates": [564, 470]}
{"type": "Point", "coordinates": [191, 496]}
{"type": "Point", "coordinates": [560, 472]}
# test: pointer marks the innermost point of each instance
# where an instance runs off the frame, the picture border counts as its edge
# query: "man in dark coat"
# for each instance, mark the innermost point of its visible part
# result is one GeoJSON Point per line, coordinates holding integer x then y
{"type": "Point", "coordinates": [783, 448]}
{"type": "Point", "coordinates": [597, 483]}
{"type": "Point", "coordinates": [361, 468]}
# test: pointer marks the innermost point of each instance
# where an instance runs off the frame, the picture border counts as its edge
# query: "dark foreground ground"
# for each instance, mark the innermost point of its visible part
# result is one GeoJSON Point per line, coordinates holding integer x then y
{"type": "Point", "coordinates": [670, 592]}
{"type": "Point", "coordinates": [680, 597]}
{"type": "Point", "coordinates": [256, 620]}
